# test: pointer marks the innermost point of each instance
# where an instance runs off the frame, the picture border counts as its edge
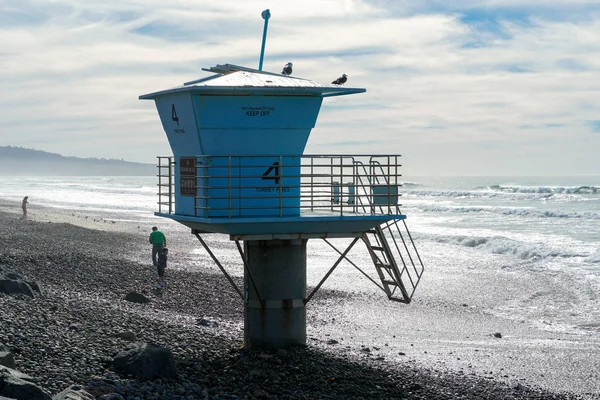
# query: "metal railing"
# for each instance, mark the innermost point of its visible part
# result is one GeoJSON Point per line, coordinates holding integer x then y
{"type": "Point", "coordinates": [231, 186]}
{"type": "Point", "coordinates": [166, 192]}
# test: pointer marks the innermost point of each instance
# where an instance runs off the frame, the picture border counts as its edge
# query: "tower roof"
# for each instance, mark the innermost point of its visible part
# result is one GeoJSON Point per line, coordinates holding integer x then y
{"type": "Point", "coordinates": [236, 80]}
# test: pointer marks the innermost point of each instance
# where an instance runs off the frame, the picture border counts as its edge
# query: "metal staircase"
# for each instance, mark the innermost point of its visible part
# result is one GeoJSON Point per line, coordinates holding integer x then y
{"type": "Point", "coordinates": [390, 245]}
{"type": "Point", "coordinates": [398, 269]}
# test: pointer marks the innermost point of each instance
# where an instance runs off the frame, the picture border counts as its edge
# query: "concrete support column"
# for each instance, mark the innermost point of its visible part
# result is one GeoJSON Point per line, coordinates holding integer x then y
{"type": "Point", "coordinates": [278, 268]}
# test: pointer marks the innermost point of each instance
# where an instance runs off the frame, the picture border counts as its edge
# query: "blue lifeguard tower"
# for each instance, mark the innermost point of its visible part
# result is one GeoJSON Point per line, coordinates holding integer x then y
{"type": "Point", "coordinates": [238, 168]}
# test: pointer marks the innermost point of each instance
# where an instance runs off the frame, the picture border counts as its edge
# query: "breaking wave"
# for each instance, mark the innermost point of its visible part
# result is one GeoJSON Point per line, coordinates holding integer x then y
{"type": "Point", "coordinates": [594, 258]}
{"type": "Point", "coordinates": [548, 189]}
{"type": "Point", "coordinates": [511, 192]}
{"type": "Point", "coordinates": [503, 245]}
{"type": "Point", "coordinates": [526, 212]}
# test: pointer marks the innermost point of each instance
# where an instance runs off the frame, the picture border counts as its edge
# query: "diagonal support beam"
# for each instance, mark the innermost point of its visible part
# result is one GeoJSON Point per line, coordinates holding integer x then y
{"type": "Point", "coordinates": [339, 260]}
{"type": "Point", "coordinates": [356, 266]}
{"type": "Point", "coordinates": [237, 289]}
{"type": "Point", "coordinates": [247, 268]}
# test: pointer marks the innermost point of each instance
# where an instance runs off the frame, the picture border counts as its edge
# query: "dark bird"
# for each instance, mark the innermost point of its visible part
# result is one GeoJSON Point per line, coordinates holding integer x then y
{"type": "Point", "coordinates": [341, 80]}
{"type": "Point", "coordinates": [287, 70]}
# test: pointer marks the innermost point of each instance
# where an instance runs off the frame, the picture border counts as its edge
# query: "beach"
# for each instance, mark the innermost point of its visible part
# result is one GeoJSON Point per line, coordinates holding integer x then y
{"type": "Point", "coordinates": [87, 263]}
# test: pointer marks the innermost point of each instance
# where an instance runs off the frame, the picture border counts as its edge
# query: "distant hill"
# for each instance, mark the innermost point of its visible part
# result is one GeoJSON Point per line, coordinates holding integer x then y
{"type": "Point", "coordinates": [22, 161]}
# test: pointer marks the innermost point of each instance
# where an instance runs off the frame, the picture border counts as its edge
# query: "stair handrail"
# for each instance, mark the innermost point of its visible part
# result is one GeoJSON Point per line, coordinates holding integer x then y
{"type": "Point", "coordinates": [379, 172]}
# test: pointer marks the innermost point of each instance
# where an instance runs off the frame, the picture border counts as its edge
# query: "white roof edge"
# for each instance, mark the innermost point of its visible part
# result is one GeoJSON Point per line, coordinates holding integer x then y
{"type": "Point", "coordinates": [318, 91]}
{"type": "Point", "coordinates": [233, 78]}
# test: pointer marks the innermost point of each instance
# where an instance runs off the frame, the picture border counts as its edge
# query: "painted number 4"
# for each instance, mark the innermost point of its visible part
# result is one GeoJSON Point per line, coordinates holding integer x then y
{"type": "Point", "coordinates": [174, 116]}
{"type": "Point", "coordinates": [275, 169]}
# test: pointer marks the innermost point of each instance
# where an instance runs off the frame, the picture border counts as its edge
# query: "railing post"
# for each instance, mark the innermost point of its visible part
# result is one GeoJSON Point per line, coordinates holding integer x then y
{"type": "Point", "coordinates": [280, 186]}
{"type": "Point", "coordinates": [171, 167]}
{"type": "Point", "coordinates": [229, 188]}
{"type": "Point", "coordinates": [159, 187]}
{"type": "Point", "coordinates": [312, 182]}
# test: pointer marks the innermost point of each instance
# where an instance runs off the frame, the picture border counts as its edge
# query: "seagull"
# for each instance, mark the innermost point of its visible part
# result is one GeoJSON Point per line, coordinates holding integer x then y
{"type": "Point", "coordinates": [341, 80]}
{"type": "Point", "coordinates": [287, 70]}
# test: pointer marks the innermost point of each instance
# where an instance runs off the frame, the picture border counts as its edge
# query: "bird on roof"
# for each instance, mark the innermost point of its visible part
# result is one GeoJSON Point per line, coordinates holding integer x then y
{"type": "Point", "coordinates": [341, 80]}
{"type": "Point", "coordinates": [287, 70]}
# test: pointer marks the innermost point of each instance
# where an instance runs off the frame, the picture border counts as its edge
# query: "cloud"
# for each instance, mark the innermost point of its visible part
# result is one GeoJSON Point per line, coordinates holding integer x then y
{"type": "Point", "coordinates": [457, 88]}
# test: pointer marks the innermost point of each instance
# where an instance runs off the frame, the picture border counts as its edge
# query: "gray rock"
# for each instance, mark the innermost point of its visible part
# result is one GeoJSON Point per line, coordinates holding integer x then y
{"type": "Point", "coordinates": [75, 327]}
{"type": "Point", "coordinates": [13, 386]}
{"type": "Point", "coordinates": [12, 275]}
{"type": "Point", "coordinates": [35, 286]}
{"type": "Point", "coordinates": [16, 374]}
{"type": "Point", "coordinates": [127, 335]}
{"type": "Point", "coordinates": [7, 359]}
{"type": "Point", "coordinates": [282, 352]}
{"type": "Point", "coordinates": [10, 286]}
{"type": "Point", "coordinates": [111, 396]}
{"type": "Point", "coordinates": [135, 297]}
{"type": "Point", "coordinates": [146, 361]}
{"type": "Point", "coordinates": [74, 392]}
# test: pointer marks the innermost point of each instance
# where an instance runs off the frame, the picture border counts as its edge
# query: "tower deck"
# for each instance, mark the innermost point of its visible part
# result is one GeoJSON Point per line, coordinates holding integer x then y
{"type": "Point", "coordinates": [299, 196]}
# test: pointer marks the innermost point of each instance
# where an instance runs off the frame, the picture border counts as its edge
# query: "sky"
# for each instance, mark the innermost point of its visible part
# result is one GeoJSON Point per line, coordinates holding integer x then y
{"type": "Point", "coordinates": [496, 87]}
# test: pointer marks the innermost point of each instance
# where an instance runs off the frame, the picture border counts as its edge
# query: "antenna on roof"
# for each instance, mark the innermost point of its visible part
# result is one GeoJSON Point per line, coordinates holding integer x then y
{"type": "Point", "coordinates": [266, 15]}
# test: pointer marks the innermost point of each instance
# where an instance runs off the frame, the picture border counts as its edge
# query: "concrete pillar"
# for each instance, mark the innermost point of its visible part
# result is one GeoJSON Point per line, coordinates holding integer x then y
{"type": "Point", "coordinates": [279, 271]}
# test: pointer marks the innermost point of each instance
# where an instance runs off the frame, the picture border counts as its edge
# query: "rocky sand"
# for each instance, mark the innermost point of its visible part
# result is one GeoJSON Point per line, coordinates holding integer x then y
{"type": "Point", "coordinates": [70, 333]}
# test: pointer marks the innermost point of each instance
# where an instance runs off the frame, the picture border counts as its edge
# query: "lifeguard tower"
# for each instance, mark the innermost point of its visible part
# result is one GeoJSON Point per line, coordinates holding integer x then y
{"type": "Point", "coordinates": [238, 168]}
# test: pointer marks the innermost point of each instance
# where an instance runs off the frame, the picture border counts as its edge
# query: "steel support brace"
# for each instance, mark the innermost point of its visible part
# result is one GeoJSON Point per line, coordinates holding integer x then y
{"type": "Point", "coordinates": [356, 266]}
{"type": "Point", "coordinates": [237, 289]}
{"type": "Point", "coordinates": [339, 260]}
{"type": "Point", "coordinates": [247, 268]}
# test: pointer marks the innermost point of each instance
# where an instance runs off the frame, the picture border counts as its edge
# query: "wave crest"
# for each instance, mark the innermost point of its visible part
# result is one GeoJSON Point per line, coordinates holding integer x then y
{"type": "Point", "coordinates": [503, 245]}
{"type": "Point", "coordinates": [594, 258]}
{"type": "Point", "coordinates": [548, 189]}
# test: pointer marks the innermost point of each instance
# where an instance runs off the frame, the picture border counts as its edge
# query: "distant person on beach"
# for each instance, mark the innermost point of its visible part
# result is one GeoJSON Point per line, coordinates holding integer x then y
{"type": "Point", "coordinates": [24, 207]}
{"type": "Point", "coordinates": [158, 241]}
{"type": "Point", "coordinates": [161, 266]}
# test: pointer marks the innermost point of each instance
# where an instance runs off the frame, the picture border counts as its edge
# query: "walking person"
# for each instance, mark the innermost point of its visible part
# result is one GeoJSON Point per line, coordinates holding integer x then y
{"type": "Point", "coordinates": [24, 207]}
{"type": "Point", "coordinates": [161, 266]}
{"type": "Point", "coordinates": [158, 241]}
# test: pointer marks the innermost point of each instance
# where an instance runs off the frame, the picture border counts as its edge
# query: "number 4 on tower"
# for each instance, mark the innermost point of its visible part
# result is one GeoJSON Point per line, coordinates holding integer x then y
{"type": "Point", "coordinates": [275, 169]}
{"type": "Point", "coordinates": [174, 114]}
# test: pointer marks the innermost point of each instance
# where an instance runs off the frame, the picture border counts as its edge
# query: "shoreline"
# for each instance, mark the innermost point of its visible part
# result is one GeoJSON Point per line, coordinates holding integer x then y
{"type": "Point", "coordinates": [85, 275]}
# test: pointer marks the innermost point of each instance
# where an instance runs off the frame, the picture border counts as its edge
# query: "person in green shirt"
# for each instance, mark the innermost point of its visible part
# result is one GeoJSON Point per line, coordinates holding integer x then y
{"type": "Point", "coordinates": [158, 241]}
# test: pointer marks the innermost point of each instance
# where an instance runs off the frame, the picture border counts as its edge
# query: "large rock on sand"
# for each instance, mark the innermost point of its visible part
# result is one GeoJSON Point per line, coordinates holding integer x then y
{"type": "Point", "coordinates": [146, 361]}
{"type": "Point", "coordinates": [13, 283]}
{"type": "Point", "coordinates": [136, 297]}
{"type": "Point", "coordinates": [74, 392]}
{"type": "Point", "coordinates": [7, 359]}
{"type": "Point", "coordinates": [14, 384]}
{"type": "Point", "coordinates": [8, 286]}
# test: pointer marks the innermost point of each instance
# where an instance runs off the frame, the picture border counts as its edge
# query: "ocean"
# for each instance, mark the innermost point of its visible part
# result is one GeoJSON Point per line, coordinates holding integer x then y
{"type": "Point", "coordinates": [541, 228]}
{"type": "Point", "coordinates": [519, 256]}
{"type": "Point", "coordinates": [534, 227]}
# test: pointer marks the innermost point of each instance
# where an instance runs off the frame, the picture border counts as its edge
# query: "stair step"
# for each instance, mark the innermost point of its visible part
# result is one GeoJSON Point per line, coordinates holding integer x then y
{"type": "Point", "coordinates": [384, 266]}
{"type": "Point", "coordinates": [388, 282]}
{"type": "Point", "coordinates": [377, 248]}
